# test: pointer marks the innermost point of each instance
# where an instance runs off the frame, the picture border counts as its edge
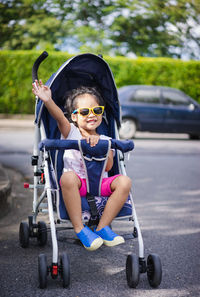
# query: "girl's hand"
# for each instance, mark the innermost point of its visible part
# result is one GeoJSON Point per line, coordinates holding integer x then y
{"type": "Point", "coordinates": [92, 139]}
{"type": "Point", "coordinates": [42, 91]}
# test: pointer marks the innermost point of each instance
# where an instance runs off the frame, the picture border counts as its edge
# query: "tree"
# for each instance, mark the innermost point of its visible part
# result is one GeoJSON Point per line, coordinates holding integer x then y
{"type": "Point", "coordinates": [27, 24]}
{"type": "Point", "coordinates": [89, 31]}
{"type": "Point", "coordinates": [157, 28]}
{"type": "Point", "coordinates": [142, 27]}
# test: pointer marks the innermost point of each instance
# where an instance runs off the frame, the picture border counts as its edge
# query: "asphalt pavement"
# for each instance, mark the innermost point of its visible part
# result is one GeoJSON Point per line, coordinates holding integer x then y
{"type": "Point", "coordinates": [166, 190]}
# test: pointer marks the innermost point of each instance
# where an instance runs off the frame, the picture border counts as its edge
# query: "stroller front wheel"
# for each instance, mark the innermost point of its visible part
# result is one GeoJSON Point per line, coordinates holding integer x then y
{"type": "Point", "coordinates": [42, 270]}
{"type": "Point", "coordinates": [65, 269]}
{"type": "Point", "coordinates": [132, 270]}
{"type": "Point", "coordinates": [42, 233]}
{"type": "Point", "coordinates": [24, 234]}
{"type": "Point", "coordinates": [154, 270]}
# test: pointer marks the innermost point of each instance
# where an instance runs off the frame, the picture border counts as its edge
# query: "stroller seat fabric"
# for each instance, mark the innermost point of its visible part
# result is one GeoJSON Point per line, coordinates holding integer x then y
{"type": "Point", "coordinates": [94, 159]}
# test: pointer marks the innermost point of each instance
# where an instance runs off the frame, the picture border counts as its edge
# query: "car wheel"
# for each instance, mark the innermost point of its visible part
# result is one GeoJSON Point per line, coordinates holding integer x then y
{"type": "Point", "coordinates": [194, 137]}
{"type": "Point", "coordinates": [128, 129]}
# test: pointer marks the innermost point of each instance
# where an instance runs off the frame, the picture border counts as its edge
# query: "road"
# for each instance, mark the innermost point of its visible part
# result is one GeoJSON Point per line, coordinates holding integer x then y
{"type": "Point", "coordinates": [165, 172]}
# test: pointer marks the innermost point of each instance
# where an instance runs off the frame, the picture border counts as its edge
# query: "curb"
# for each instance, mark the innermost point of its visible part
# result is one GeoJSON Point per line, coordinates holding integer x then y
{"type": "Point", "coordinates": [5, 192]}
{"type": "Point", "coordinates": [16, 121]}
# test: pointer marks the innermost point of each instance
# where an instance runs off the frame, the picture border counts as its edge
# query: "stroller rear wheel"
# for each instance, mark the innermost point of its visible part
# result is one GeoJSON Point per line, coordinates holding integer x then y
{"type": "Point", "coordinates": [24, 234]}
{"type": "Point", "coordinates": [132, 270]}
{"type": "Point", "coordinates": [42, 270]}
{"type": "Point", "coordinates": [154, 270]}
{"type": "Point", "coordinates": [65, 269]}
{"type": "Point", "coordinates": [42, 233]}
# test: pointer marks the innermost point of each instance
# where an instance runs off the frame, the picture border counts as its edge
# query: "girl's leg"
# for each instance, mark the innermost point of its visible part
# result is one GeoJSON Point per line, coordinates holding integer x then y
{"type": "Point", "coordinates": [70, 185]}
{"type": "Point", "coordinates": [120, 187]}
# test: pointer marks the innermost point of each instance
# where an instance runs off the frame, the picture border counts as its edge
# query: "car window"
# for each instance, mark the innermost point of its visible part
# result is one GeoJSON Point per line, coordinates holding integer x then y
{"type": "Point", "coordinates": [175, 98]}
{"type": "Point", "coordinates": [123, 93]}
{"type": "Point", "coordinates": [146, 96]}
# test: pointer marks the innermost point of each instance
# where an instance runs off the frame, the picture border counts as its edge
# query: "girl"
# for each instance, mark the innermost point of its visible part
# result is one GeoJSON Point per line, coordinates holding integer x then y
{"type": "Point", "coordinates": [85, 105]}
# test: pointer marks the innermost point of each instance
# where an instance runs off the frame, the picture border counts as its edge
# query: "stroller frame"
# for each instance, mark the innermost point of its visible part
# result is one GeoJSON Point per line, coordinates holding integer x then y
{"type": "Point", "coordinates": [134, 264]}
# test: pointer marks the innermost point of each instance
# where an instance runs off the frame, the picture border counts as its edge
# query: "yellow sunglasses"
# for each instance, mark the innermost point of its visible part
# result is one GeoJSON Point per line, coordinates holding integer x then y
{"type": "Point", "coordinates": [85, 111]}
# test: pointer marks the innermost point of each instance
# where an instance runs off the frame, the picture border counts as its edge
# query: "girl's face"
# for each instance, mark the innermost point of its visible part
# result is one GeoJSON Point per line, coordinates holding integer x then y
{"type": "Point", "coordinates": [90, 122]}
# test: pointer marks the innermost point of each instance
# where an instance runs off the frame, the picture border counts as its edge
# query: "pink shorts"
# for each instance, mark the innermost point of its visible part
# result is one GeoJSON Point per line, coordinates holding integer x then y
{"type": "Point", "coordinates": [105, 186]}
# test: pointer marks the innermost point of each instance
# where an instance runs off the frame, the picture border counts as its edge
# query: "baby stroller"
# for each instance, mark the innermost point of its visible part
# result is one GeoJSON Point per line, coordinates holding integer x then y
{"type": "Point", "coordinates": [47, 162]}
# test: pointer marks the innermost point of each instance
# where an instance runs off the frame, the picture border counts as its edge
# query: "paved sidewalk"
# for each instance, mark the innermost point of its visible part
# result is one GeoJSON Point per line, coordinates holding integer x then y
{"type": "Point", "coordinates": [5, 191]}
{"type": "Point", "coordinates": [10, 122]}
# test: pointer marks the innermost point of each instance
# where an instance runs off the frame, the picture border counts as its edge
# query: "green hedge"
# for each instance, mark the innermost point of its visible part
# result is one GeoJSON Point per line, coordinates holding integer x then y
{"type": "Point", "coordinates": [15, 75]}
{"type": "Point", "coordinates": [16, 78]}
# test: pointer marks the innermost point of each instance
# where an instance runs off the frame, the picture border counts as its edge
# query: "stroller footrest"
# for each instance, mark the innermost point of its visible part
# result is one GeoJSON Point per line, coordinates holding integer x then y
{"type": "Point", "coordinates": [43, 205]}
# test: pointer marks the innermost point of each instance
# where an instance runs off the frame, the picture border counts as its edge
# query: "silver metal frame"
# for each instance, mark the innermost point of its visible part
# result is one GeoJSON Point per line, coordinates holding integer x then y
{"type": "Point", "coordinates": [39, 134]}
{"type": "Point", "coordinates": [47, 192]}
{"type": "Point", "coordinates": [134, 214]}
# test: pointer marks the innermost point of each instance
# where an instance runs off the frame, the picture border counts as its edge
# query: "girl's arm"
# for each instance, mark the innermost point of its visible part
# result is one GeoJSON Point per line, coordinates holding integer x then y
{"type": "Point", "coordinates": [109, 164]}
{"type": "Point", "coordinates": [44, 93]}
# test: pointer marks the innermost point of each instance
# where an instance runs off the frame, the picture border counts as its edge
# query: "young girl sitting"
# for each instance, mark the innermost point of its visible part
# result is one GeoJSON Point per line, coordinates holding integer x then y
{"type": "Point", "coordinates": [85, 105]}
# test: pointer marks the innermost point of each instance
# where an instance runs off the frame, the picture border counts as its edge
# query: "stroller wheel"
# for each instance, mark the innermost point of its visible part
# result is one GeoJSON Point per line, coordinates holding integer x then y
{"type": "Point", "coordinates": [42, 271]}
{"type": "Point", "coordinates": [65, 269]}
{"type": "Point", "coordinates": [154, 270]}
{"type": "Point", "coordinates": [132, 270]}
{"type": "Point", "coordinates": [24, 234]}
{"type": "Point", "coordinates": [42, 233]}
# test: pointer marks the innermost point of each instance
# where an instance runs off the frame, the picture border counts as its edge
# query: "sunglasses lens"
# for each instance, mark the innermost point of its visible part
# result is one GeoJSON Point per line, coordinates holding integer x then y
{"type": "Point", "coordinates": [84, 111]}
{"type": "Point", "coordinates": [98, 110]}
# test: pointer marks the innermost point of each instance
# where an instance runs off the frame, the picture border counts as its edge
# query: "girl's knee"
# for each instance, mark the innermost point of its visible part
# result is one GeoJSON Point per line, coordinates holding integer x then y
{"type": "Point", "coordinates": [126, 182]}
{"type": "Point", "coordinates": [68, 179]}
{"type": "Point", "coordinates": [123, 183]}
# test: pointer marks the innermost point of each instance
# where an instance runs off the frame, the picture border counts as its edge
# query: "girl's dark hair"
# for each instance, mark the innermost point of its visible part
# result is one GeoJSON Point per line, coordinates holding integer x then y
{"type": "Point", "coordinates": [70, 98]}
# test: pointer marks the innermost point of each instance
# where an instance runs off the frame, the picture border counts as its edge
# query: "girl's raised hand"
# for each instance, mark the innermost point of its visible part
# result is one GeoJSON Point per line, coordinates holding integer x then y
{"type": "Point", "coordinates": [42, 91]}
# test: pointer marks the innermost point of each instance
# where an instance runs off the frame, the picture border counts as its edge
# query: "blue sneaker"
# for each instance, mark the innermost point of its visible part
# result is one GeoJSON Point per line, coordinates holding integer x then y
{"type": "Point", "coordinates": [89, 239]}
{"type": "Point", "coordinates": [109, 237]}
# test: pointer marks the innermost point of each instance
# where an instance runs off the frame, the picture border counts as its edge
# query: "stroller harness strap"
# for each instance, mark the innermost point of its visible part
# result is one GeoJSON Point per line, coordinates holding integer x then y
{"type": "Point", "coordinates": [94, 165]}
{"type": "Point", "coordinates": [94, 168]}
{"type": "Point", "coordinates": [93, 207]}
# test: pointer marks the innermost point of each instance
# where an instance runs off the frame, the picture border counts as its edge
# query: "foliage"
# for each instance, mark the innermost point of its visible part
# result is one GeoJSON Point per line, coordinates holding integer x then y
{"type": "Point", "coordinates": [16, 79]}
{"type": "Point", "coordinates": [144, 27]}
{"type": "Point", "coordinates": [158, 28]}
{"type": "Point", "coordinates": [31, 23]}
{"type": "Point", "coordinates": [15, 75]}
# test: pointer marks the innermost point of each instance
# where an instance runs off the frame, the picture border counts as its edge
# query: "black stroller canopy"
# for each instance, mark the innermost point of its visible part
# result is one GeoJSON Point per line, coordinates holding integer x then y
{"type": "Point", "coordinates": [86, 70]}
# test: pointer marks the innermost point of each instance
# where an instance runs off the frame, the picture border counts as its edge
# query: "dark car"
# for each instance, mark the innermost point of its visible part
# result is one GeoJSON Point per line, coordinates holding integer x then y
{"type": "Point", "coordinates": [158, 109]}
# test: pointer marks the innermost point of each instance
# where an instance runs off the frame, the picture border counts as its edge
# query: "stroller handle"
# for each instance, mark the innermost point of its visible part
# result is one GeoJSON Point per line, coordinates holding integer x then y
{"type": "Point", "coordinates": [57, 144]}
{"type": "Point", "coordinates": [36, 65]}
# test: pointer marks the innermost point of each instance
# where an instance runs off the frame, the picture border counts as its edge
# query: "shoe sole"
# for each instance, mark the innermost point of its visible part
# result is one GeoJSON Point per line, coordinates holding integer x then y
{"type": "Point", "coordinates": [97, 243]}
{"type": "Point", "coordinates": [116, 241]}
